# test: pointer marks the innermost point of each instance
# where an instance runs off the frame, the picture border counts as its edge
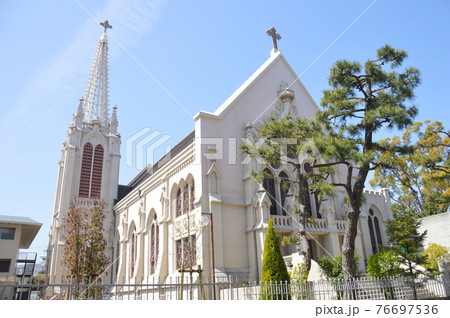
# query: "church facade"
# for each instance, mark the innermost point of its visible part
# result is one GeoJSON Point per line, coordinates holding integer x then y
{"type": "Point", "coordinates": [198, 207]}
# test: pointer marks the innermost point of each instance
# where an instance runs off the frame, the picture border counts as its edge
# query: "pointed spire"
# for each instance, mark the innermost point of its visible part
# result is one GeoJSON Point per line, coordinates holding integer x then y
{"type": "Point", "coordinates": [113, 123]}
{"type": "Point", "coordinates": [96, 101]}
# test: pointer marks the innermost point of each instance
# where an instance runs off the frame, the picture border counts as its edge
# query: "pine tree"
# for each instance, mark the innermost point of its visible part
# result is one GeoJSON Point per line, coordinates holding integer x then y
{"type": "Point", "coordinates": [274, 269]}
{"type": "Point", "coordinates": [362, 101]}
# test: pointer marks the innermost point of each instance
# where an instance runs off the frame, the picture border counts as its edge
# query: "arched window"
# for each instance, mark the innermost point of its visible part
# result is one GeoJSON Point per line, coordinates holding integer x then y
{"type": "Point", "coordinates": [154, 245]}
{"type": "Point", "coordinates": [185, 199]}
{"type": "Point", "coordinates": [91, 171]}
{"type": "Point", "coordinates": [179, 203]}
{"type": "Point", "coordinates": [269, 186]}
{"type": "Point", "coordinates": [97, 168]}
{"type": "Point", "coordinates": [284, 189]}
{"type": "Point", "coordinates": [377, 231]}
{"type": "Point", "coordinates": [374, 231]}
{"type": "Point", "coordinates": [86, 169]}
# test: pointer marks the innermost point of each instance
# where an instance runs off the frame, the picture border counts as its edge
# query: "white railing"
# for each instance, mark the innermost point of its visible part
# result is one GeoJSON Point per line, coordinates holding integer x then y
{"type": "Point", "coordinates": [282, 222]}
{"type": "Point", "coordinates": [390, 288]}
{"type": "Point", "coordinates": [318, 225]}
{"type": "Point", "coordinates": [341, 225]}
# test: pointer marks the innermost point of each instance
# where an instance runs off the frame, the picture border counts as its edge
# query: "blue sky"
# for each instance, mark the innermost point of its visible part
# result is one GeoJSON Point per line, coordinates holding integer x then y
{"type": "Point", "coordinates": [175, 58]}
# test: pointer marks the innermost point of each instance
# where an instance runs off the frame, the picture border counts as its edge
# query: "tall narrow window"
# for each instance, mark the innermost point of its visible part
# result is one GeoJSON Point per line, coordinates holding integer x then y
{"type": "Point", "coordinates": [269, 186]}
{"type": "Point", "coordinates": [306, 192]}
{"type": "Point", "coordinates": [179, 248]}
{"type": "Point", "coordinates": [178, 203]}
{"type": "Point", "coordinates": [284, 189]}
{"type": "Point", "coordinates": [133, 254]}
{"type": "Point", "coordinates": [373, 240]}
{"type": "Point", "coordinates": [97, 168]}
{"type": "Point", "coordinates": [377, 231]}
{"type": "Point", "coordinates": [317, 202]}
{"type": "Point", "coordinates": [86, 169]}
{"type": "Point", "coordinates": [192, 194]}
{"type": "Point", "coordinates": [186, 199]}
{"type": "Point", "coordinates": [154, 246]}
{"type": "Point", "coordinates": [304, 195]}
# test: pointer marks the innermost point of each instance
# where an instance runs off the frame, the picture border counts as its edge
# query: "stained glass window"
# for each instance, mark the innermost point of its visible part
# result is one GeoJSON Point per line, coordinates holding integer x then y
{"type": "Point", "coordinates": [154, 246]}
{"type": "Point", "coordinates": [179, 203]}
{"type": "Point", "coordinates": [192, 193]}
{"type": "Point", "coordinates": [179, 250]}
{"type": "Point", "coordinates": [186, 252]}
{"type": "Point", "coordinates": [186, 199]}
{"type": "Point", "coordinates": [133, 254]}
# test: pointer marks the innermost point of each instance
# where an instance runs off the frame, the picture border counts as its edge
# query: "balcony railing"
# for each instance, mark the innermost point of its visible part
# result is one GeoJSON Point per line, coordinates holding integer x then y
{"type": "Point", "coordinates": [341, 225]}
{"type": "Point", "coordinates": [282, 222]}
{"type": "Point", "coordinates": [318, 225]}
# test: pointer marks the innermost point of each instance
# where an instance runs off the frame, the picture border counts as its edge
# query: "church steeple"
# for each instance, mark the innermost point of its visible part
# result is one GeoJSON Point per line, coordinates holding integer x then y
{"type": "Point", "coordinates": [90, 160]}
{"type": "Point", "coordinates": [96, 97]}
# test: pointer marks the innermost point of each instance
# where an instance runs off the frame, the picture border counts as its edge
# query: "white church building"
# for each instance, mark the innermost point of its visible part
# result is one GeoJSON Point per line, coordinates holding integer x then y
{"type": "Point", "coordinates": [199, 206]}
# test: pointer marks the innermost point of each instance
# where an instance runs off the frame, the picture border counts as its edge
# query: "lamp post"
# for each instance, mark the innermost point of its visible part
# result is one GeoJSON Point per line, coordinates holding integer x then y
{"type": "Point", "coordinates": [208, 218]}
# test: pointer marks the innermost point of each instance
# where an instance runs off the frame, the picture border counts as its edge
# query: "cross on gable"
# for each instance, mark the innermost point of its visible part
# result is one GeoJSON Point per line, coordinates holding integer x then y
{"type": "Point", "coordinates": [106, 25]}
{"type": "Point", "coordinates": [273, 33]}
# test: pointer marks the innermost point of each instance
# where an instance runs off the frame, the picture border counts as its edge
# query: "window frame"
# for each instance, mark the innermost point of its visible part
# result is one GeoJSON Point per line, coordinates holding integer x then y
{"type": "Point", "coordinates": [3, 234]}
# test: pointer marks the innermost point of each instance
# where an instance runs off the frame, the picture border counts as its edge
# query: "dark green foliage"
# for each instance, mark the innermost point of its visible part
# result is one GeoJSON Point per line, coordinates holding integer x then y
{"type": "Point", "coordinates": [273, 267]}
{"type": "Point", "coordinates": [363, 100]}
{"type": "Point", "coordinates": [405, 238]}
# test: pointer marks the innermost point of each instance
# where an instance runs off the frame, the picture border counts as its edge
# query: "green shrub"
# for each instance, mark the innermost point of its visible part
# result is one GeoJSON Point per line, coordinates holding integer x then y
{"type": "Point", "coordinates": [274, 269]}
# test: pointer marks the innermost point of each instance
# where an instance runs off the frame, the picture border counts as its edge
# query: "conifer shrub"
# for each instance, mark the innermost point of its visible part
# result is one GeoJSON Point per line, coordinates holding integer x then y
{"type": "Point", "coordinates": [275, 278]}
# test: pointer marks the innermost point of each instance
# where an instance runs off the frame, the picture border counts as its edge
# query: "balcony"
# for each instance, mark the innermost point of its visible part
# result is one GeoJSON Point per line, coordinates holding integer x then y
{"type": "Point", "coordinates": [318, 225]}
{"type": "Point", "coordinates": [341, 225]}
{"type": "Point", "coordinates": [286, 223]}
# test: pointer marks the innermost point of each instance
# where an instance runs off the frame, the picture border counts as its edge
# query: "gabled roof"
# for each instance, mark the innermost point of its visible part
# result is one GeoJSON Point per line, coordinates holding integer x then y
{"type": "Point", "coordinates": [241, 91]}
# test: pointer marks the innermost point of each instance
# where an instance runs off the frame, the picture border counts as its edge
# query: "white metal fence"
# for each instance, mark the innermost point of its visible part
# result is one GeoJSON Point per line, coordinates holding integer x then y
{"type": "Point", "coordinates": [422, 287]}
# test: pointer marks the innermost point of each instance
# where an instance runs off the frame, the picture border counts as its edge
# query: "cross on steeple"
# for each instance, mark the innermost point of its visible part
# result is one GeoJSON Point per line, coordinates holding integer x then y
{"type": "Point", "coordinates": [273, 33]}
{"type": "Point", "coordinates": [106, 25]}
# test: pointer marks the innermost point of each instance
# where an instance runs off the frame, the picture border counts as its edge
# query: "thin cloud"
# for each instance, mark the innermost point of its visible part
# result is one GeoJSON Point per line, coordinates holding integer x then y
{"type": "Point", "coordinates": [54, 85]}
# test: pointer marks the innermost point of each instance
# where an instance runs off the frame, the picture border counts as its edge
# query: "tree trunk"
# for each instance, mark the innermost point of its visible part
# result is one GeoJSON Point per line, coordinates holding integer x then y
{"type": "Point", "coordinates": [305, 250]}
{"type": "Point", "coordinates": [355, 195]}
{"type": "Point", "coordinates": [304, 245]}
{"type": "Point", "coordinates": [348, 247]}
